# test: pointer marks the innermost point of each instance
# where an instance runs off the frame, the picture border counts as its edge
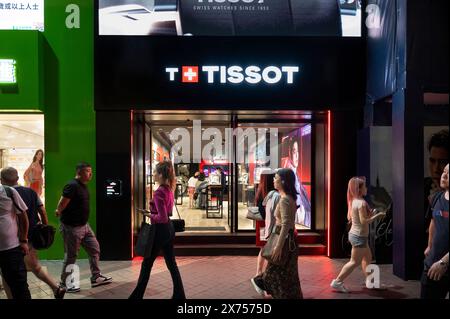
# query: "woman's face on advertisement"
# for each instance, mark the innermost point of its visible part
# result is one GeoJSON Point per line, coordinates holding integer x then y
{"type": "Point", "coordinates": [39, 156]}
{"type": "Point", "coordinates": [294, 154]}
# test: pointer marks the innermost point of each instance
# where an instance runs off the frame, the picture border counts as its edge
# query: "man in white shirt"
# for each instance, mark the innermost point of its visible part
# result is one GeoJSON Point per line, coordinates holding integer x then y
{"type": "Point", "coordinates": [13, 241]}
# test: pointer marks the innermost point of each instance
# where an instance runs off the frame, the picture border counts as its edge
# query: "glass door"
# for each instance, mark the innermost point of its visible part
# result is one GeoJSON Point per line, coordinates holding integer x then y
{"type": "Point", "coordinates": [260, 149]}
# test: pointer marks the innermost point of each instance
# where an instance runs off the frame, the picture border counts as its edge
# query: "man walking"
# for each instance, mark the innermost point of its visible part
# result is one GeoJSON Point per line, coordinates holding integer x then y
{"type": "Point", "coordinates": [36, 213]}
{"type": "Point", "coordinates": [13, 241]}
{"type": "Point", "coordinates": [435, 277]}
{"type": "Point", "coordinates": [73, 210]}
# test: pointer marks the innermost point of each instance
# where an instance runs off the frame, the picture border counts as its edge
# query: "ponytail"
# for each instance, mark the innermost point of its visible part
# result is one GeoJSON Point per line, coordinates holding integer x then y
{"type": "Point", "coordinates": [166, 170]}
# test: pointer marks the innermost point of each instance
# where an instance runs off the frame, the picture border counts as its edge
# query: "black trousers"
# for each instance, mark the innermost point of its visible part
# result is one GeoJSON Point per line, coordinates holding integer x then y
{"type": "Point", "coordinates": [164, 238]}
{"type": "Point", "coordinates": [14, 272]}
{"type": "Point", "coordinates": [431, 289]}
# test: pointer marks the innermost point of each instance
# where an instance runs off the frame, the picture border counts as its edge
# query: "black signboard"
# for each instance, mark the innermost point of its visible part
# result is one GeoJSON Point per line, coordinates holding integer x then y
{"type": "Point", "coordinates": [136, 72]}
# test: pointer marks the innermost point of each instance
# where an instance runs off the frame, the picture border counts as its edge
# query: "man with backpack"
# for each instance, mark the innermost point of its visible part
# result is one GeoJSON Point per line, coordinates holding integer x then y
{"type": "Point", "coordinates": [13, 241]}
{"type": "Point", "coordinates": [36, 214]}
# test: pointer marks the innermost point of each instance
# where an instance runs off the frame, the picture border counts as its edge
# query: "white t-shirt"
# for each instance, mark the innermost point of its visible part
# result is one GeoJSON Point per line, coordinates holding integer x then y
{"type": "Point", "coordinates": [9, 231]}
{"type": "Point", "coordinates": [192, 181]}
{"type": "Point", "coordinates": [357, 228]}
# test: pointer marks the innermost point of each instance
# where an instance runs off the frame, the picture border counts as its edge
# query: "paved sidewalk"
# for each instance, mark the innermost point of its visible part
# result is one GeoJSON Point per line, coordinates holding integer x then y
{"type": "Point", "coordinates": [222, 277]}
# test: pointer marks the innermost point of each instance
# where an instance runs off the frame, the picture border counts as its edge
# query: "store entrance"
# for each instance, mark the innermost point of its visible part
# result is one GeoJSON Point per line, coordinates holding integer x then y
{"type": "Point", "coordinates": [219, 158]}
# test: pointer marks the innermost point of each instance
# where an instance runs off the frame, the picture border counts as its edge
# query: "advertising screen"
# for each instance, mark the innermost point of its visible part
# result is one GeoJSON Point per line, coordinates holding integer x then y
{"type": "Point", "coordinates": [296, 155]}
{"type": "Point", "coordinates": [230, 17]}
{"type": "Point", "coordinates": [22, 15]}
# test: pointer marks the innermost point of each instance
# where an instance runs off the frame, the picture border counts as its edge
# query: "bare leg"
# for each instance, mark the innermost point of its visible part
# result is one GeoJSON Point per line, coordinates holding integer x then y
{"type": "Point", "coordinates": [367, 260]}
{"type": "Point", "coordinates": [355, 261]}
{"type": "Point", "coordinates": [260, 266]}
{"type": "Point", "coordinates": [32, 263]}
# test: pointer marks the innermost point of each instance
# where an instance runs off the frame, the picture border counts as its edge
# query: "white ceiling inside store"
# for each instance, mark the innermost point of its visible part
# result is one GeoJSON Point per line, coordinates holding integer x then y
{"type": "Point", "coordinates": [18, 131]}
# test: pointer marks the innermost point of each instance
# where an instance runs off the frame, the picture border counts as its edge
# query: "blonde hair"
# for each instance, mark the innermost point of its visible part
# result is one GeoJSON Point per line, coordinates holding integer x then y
{"type": "Point", "coordinates": [355, 184]}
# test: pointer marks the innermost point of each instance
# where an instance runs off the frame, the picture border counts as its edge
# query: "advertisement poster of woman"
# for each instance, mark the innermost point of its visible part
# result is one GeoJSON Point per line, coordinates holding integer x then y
{"type": "Point", "coordinates": [292, 161]}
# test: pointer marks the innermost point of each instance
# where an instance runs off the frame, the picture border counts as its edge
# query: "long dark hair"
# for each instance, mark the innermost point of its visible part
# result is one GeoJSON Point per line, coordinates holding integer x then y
{"type": "Point", "coordinates": [264, 187]}
{"type": "Point", "coordinates": [287, 178]}
{"type": "Point", "coordinates": [166, 170]}
{"type": "Point", "coordinates": [41, 161]}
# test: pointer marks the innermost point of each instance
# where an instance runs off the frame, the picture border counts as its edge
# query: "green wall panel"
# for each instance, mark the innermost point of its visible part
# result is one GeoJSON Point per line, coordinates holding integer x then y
{"type": "Point", "coordinates": [66, 61]}
{"type": "Point", "coordinates": [25, 48]}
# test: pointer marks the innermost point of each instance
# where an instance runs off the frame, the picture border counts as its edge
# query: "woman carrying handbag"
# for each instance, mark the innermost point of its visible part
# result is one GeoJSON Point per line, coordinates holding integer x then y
{"type": "Point", "coordinates": [161, 208]}
{"type": "Point", "coordinates": [280, 279]}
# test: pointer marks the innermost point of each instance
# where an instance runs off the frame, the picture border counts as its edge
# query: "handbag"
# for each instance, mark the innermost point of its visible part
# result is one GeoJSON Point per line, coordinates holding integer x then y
{"type": "Point", "coordinates": [254, 214]}
{"type": "Point", "coordinates": [145, 240]}
{"type": "Point", "coordinates": [178, 224]}
{"type": "Point", "coordinates": [42, 236]}
{"type": "Point", "coordinates": [289, 246]}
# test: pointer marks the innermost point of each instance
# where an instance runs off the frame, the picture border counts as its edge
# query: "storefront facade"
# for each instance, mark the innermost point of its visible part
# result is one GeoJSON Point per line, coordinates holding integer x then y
{"type": "Point", "coordinates": [149, 85]}
{"type": "Point", "coordinates": [54, 79]}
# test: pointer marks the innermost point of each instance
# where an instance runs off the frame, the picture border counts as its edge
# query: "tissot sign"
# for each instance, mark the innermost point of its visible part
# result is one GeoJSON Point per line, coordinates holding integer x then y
{"type": "Point", "coordinates": [228, 73]}
{"type": "Point", "coordinates": [234, 74]}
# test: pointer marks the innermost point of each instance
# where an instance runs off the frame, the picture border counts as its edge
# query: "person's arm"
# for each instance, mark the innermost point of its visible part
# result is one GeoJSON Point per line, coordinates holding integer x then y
{"type": "Point", "coordinates": [26, 175]}
{"type": "Point", "coordinates": [364, 216]}
{"type": "Point", "coordinates": [438, 269]}
{"type": "Point", "coordinates": [285, 226]}
{"type": "Point", "coordinates": [62, 204]}
{"type": "Point", "coordinates": [23, 231]}
{"type": "Point", "coordinates": [43, 214]}
{"type": "Point", "coordinates": [430, 237]}
{"type": "Point", "coordinates": [160, 205]}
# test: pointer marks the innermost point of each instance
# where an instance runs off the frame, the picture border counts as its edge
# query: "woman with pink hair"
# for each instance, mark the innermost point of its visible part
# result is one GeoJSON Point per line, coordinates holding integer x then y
{"type": "Point", "coordinates": [360, 216]}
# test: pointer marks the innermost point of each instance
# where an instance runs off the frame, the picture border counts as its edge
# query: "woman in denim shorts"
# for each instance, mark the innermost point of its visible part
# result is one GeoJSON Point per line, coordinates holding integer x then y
{"type": "Point", "coordinates": [360, 216]}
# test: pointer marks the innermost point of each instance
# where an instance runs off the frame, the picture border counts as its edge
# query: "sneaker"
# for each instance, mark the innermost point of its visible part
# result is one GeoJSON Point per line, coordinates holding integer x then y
{"type": "Point", "coordinates": [338, 285]}
{"type": "Point", "coordinates": [60, 292]}
{"type": "Point", "coordinates": [72, 289]}
{"type": "Point", "coordinates": [100, 280]}
{"type": "Point", "coordinates": [258, 284]}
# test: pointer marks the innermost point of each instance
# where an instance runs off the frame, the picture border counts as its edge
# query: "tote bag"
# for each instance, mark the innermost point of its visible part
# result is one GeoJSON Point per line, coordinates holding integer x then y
{"type": "Point", "coordinates": [145, 240]}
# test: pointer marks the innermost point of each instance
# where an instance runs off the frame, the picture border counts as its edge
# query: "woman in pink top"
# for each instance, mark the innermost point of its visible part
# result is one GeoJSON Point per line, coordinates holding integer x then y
{"type": "Point", "coordinates": [161, 209]}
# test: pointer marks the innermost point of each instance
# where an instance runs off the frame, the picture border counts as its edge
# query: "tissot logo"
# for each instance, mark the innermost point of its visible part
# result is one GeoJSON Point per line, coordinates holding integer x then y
{"type": "Point", "coordinates": [234, 74]}
{"type": "Point", "coordinates": [190, 74]}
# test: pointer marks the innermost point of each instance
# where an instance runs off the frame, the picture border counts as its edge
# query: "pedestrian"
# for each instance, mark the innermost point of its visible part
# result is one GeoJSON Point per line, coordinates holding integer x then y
{"type": "Point", "coordinates": [266, 200]}
{"type": "Point", "coordinates": [162, 203]}
{"type": "Point", "coordinates": [36, 213]}
{"type": "Point", "coordinates": [191, 188]}
{"type": "Point", "coordinates": [360, 216]}
{"type": "Point", "coordinates": [282, 280]}
{"type": "Point", "coordinates": [13, 240]}
{"type": "Point", "coordinates": [73, 210]}
{"type": "Point", "coordinates": [434, 282]}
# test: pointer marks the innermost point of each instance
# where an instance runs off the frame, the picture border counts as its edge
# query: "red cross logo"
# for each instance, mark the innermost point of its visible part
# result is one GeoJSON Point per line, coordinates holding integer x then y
{"type": "Point", "coordinates": [190, 74]}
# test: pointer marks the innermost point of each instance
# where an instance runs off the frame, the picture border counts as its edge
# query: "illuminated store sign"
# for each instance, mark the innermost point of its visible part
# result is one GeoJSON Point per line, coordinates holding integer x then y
{"type": "Point", "coordinates": [7, 71]}
{"type": "Point", "coordinates": [234, 74]}
{"type": "Point", "coordinates": [22, 15]}
{"type": "Point", "coordinates": [113, 188]}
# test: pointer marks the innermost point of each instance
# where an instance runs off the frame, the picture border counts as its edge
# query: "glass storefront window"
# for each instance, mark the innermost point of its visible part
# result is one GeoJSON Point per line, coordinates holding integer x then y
{"type": "Point", "coordinates": [21, 135]}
